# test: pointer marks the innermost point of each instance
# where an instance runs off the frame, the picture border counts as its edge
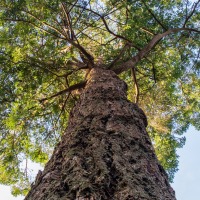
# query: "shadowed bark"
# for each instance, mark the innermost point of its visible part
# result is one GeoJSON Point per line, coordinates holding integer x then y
{"type": "Point", "coordinates": [106, 152]}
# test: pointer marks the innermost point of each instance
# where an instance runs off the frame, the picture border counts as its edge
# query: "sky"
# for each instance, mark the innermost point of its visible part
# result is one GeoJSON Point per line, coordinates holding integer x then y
{"type": "Point", "coordinates": [186, 183]}
{"type": "Point", "coordinates": [187, 179]}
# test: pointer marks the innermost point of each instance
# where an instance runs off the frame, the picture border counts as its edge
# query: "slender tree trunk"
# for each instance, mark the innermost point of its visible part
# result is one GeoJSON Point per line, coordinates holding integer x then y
{"type": "Point", "coordinates": [106, 152]}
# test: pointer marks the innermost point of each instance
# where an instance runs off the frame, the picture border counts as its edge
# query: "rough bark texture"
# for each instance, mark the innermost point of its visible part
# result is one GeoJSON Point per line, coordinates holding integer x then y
{"type": "Point", "coordinates": [106, 152]}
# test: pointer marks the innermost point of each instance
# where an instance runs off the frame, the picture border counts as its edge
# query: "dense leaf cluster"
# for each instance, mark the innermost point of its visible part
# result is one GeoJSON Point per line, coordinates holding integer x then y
{"type": "Point", "coordinates": [48, 46]}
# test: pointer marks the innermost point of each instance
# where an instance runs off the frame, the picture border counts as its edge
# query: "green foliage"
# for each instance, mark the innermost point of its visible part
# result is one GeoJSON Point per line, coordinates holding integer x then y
{"type": "Point", "coordinates": [36, 59]}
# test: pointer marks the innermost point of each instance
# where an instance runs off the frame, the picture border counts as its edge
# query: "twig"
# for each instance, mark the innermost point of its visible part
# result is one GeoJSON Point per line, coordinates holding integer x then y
{"type": "Point", "coordinates": [102, 17]}
{"type": "Point", "coordinates": [147, 31]}
{"type": "Point", "coordinates": [119, 56]}
{"type": "Point", "coordinates": [69, 25]}
{"type": "Point", "coordinates": [70, 40]}
{"type": "Point", "coordinates": [192, 12]}
{"type": "Point", "coordinates": [44, 23]}
{"type": "Point", "coordinates": [63, 107]}
{"type": "Point", "coordinates": [72, 6]}
{"type": "Point", "coordinates": [153, 69]}
{"type": "Point", "coordinates": [154, 16]}
{"type": "Point", "coordinates": [116, 35]}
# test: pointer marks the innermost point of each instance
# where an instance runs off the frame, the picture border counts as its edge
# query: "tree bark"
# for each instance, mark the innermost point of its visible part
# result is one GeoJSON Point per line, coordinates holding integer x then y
{"type": "Point", "coordinates": [106, 152]}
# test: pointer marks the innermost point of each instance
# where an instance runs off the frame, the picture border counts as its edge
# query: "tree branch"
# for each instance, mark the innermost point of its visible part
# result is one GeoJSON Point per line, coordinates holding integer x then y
{"type": "Point", "coordinates": [80, 32]}
{"type": "Point", "coordinates": [44, 23]}
{"type": "Point", "coordinates": [69, 89]}
{"type": "Point", "coordinates": [147, 31]}
{"type": "Point", "coordinates": [63, 108]}
{"type": "Point", "coordinates": [154, 16]}
{"type": "Point", "coordinates": [143, 53]}
{"type": "Point", "coordinates": [192, 12]}
{"type": "Point", "coordinates": [102, 17]}
{"type": "Point", "coordinates": [137, 92]}
{"type": "Point", "coordinates": [72, 6]}
{"type": "Point", "coordinates": [71, 72]}
{"type": "Point", "coordinates": [70, 40]}
{"type": "Point", "coordinates": [34, 25]}
{"type": "Point", "coordinates": [119, 56]}
{"type": "Point", "coordinates": [116, 35]}
{"type": "Point", "coordinates": [153, 70]}
{"type": "Point", "coordinates": [68, 20]}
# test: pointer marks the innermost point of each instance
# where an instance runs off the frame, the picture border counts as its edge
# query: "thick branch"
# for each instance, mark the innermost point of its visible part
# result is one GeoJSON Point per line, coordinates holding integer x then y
{"type": "Point", "coordinates": [79, 47]}
{"type": "Point", "coordinates": [69, 89]}
{"type": "Point", "coordinates": [70, 40]}
{"type": "Point", "coordinates": [141, 54]}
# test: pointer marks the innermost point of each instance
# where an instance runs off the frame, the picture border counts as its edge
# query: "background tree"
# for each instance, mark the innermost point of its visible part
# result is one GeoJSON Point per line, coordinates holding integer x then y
{"type": "Point", "coordinates": [47, 49]}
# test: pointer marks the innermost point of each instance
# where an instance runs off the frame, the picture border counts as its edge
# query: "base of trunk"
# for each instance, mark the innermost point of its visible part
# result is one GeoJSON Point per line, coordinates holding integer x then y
{"type": "Point", "coordinates": [106, 152]}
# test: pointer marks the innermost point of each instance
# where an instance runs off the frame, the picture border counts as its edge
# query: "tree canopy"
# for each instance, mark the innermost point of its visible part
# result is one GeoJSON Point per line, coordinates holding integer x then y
{"type": "Point", "coordinates": [47, 48]}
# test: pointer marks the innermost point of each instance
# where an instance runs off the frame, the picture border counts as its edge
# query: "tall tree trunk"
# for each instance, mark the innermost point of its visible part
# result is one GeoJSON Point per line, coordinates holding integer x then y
{"type": "Point", "coordinates": [106, 152]}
